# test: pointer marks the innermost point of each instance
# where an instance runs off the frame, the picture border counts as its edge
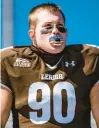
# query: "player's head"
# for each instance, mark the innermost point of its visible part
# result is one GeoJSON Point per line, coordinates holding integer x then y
{"type": "Point", "coordinates": [47, 27]}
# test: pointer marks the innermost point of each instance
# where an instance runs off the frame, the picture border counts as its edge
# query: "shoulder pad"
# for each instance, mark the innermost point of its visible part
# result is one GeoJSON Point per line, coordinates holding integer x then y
{"type": "Point", "coordinates": [90, 49]}
{"type": "Point", "coordinates": [90, 55]}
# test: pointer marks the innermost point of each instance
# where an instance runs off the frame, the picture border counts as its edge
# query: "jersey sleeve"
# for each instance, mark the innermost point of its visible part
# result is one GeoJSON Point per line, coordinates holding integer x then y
{"type": "Point", "coordinates": [4, 80]}
{"type": "Point", "coordinates": [4, 77]}
{"type": "Point", "coordinates": [90, 55]}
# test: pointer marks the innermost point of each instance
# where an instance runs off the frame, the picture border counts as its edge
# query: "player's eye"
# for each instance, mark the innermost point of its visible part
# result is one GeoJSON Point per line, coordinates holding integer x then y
{"type": "Point", "coordinates": [46, 29]}
{"type": "Point", "coordinates": [48, 26]}
{"type": "Point", "coordinates": [62, 29]}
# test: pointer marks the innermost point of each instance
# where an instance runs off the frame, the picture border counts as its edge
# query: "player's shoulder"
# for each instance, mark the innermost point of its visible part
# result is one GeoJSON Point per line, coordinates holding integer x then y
{"type": "Point", "coordinates": [84, 48]}
{"type": "Point", "coordinates": [90, 49]}
{"type": "Point", "coordinates": [89, 56]}
{"type": "Point", "coordinates": [12, 51]}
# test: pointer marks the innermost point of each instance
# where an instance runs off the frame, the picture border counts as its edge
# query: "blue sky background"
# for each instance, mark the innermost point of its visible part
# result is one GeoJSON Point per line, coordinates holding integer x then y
{"type": "Point", "coordinates": [82, 20]}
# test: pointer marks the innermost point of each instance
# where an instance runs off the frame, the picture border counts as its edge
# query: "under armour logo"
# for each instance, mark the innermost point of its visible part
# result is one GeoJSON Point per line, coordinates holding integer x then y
{"type": "Point", "coordinates": [72, 63]}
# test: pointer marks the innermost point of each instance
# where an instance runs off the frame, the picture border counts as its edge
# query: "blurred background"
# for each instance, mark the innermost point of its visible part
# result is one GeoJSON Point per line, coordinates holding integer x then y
{"type": "Point", "coordinates": [82, 21]}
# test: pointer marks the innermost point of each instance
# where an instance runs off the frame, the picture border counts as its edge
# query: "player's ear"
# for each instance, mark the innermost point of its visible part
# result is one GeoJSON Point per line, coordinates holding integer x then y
{"type": "Point", "coordinates": [31, 33]}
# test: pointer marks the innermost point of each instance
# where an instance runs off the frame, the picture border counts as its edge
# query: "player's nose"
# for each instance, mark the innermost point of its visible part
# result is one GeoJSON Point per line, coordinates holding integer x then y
{"type": "Point", "coordinates": [55, 30]}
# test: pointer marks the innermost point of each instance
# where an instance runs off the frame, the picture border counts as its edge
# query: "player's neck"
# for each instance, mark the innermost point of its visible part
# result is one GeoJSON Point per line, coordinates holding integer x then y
{"type": "Point", "coordinates": [49, 58]}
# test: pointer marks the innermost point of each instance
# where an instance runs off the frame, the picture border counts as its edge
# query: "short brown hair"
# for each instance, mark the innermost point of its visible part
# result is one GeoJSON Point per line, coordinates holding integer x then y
{"type": "Point", "coordinates": [46, 6]}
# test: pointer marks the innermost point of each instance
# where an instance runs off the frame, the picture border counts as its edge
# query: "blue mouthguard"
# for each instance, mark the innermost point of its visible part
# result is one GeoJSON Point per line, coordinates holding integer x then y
{"type": "Point", "coordinates": [56, 38]}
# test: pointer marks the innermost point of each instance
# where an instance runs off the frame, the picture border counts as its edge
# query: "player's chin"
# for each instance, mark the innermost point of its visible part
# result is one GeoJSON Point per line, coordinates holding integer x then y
{"type": "Point", "coordinates": [57, 43]}
{"type": "Point", "coordinates": [57, 48]}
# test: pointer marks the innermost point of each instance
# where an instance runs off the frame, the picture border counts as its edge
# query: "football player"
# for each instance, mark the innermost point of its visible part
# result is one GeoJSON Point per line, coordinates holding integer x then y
{"type": "Point", "coordinates": [48, 84]}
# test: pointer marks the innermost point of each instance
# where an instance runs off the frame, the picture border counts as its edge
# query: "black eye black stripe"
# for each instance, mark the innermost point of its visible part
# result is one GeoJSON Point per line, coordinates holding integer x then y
{"type": "Point", "coordinates": [48, 29]}
{"type": "Point", "coordinates": [61, 29]}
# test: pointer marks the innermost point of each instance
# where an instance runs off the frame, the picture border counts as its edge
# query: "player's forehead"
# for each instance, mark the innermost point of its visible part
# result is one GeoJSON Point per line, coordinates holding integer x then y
{"type": "Point", "coordinates": [45, 17]}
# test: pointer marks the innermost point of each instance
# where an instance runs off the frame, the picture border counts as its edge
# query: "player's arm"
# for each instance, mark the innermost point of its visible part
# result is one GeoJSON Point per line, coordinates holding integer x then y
{"type": "Point", "coordinates": [94, 98]}
{"type": "Point", "coordinates": [6, 92]}
{"type": "Point", "coordinates": [6, 103]}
